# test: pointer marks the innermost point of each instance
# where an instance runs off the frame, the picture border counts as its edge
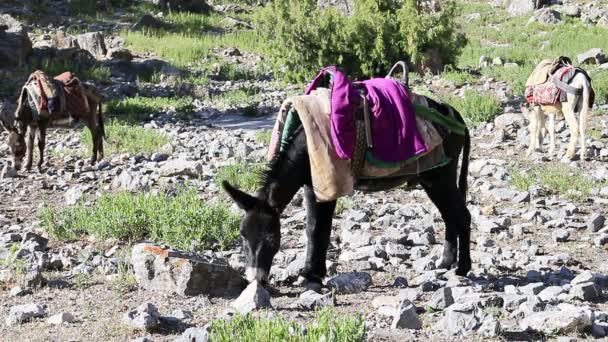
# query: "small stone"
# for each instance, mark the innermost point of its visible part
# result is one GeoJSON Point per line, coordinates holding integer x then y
{"type": "Point", "coordinates": [18, 291]}
{"type": "Point", "coordinates": [583, 277]}
{"type": "Point", "coordinates": [195, 335]}
{"type": "Point", "coordinates": [353, 282]}
{"type": "Point", "coordinates": [182, 315]}
{"type": "Point", "coordinates": [567, 320]}
{"type": "Point", "coordinates": [490, 327]}
{"type": "Point", "coordinates": [406, 317]}
{"type": "Point", "coordinates": [311, 300]}
{"type": "Point", "coordinates": [61, 318]}
{"type": "Point", "coordinates": [8, 172]}
{"type": "Point", "coordinates": [254, 297]}
{"type": "Point", "coordinates": [585, 292]}
{"type": "Point", "coordinates": [595, 222]}
{"type": "Point", "coordinates": [441, 299]}
{"type": "Point", "coordinates": [400, 282]}
{"type": "Point", "coordinates": [592, 56]}
{"type": "Point", "coordinates": [560, 235]}
{"type": "Point", "coordinates": [23, 313]}
{"type": "Point", "coordinates": [412, 294]}
{"type": "Point", "coordinates": [145, 317]}
{"type": "Point", "coordinates": [159, 157]}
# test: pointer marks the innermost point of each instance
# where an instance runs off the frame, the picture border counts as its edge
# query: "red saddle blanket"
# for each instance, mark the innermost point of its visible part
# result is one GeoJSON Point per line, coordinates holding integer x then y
{"type": "Point", "coordinates": [548, 92]}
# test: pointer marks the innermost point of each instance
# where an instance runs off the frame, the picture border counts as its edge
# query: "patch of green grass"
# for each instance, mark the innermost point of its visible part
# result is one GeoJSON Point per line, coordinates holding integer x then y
{"type": "Point", "coordinates": [83, 281]}
{"type": "Point", "coordinates": [522, 181]}
{"type": "Point", "coordinates": [183, 221]}
{"type": "Point", "coordinates": [458, 78]}
{"type": "Point", "coordinates": [600, 85]}
{"type": "Point", "coordinates": [121, 138]}
{"type": "Point", "coordinates": [558, 179]}
{"type": "Point", "coordinates": [327, 325]}
{"type": "Point", "coordinates": [477, 107]}
{"type": "Point", "coordinates": [99, 73]}
{"type": "Point", "coordinates": [264, 136]}
{"type": "Point", "coordinates": [343, 204]}
{"type": "Point", "coordinates": [244, 176]}
{"type": "Point", "coordinates": [188, 49]}
{"type": "Point", "coordinates": [133, 109]}
{"type": "Point", "coordinates": [238, 97]}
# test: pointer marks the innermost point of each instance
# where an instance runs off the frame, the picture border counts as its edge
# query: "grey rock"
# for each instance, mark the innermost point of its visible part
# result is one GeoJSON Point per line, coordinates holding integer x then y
{"type": "Point", "coordinates": [532, 289]}
{"type": "Point", "coordinates": [400, 282]}
{"type": "Point", "coordinates": [567, 320]}
{"type": "Point", "coordinates": [490, 327]}
{"type": "Point", "coordinates": [18, 291]}
{"type": "Point", "coordinates": [583, 277]}
{"type": "Point", "coordinates": [73, 195]}
{"type": "Point", "coordinates": [396, 250]}
{"type": "Point", "coordinates": [595, 222]}
{"type": "Point", "coordinates": [8, 171]}
{"type": "Point", "coordinates": [592, 56]}
{"type": "Point", "coordinates": [311, 300]}
{"type": "Point", "coordinates": [551, 294]}
{"type": "Point", "coordinates": [585, 291]}
{"type": "Point", "coordinates": [22, 313]}
{"type": "Point", "coordinates": [572, 11]}
{"type": "Point", "coordinates": [195, 335]}
{"type": "Point", "coordinates": [254, 297]}
{"type": "Point", "coordinates": [406, 317]}
{"type": "Point", "coordinates": [512, 301]}
{"type": "Point", "coordinates": [33, 242]}
{"type": "Point", "coordinates": [145, 317]}
{"type": "Point", "coordinates": [182, 315]}
{"type": "Point", "coordinates": [412, 294]}
{"type": "Point", "coordinates": [442, 299]}
{"type": "Point", "coordinates": [353, 282]}
{"type": "Point", "coordinates": [601, 240]}
{"type": "Point", "coordinates": [159, 157]}
{"type": "Point", "coordinates": [167, 270]}
{"type": "Point", "coordinates": [61, 318]}
{"type": "Point", "coordinates": [197, 6]}
{"type": "Point", "coordinates": [93, 42]}
{"type": "Point", "coordinates": [15, 44]}
{"type": "Point", "coordinates": [546, 16]}
{"type": "Point", "coordinates": [560, 235]}
{"type": "Point", "coordinates": [461, 319]}
{"type": "Point", "coordinates": [181, 167]}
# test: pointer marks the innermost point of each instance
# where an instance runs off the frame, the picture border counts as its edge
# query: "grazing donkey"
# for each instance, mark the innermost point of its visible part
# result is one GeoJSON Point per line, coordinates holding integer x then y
{"type": "Point", "coordinates": [290, 170]}
{"type": "Point", "coordinates": [23, 126]}
{"type": "Point", "coordinates": [575, 110]}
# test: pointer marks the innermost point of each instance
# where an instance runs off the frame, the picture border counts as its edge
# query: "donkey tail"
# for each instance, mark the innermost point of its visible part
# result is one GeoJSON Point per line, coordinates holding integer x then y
{"type": "Point", "coordinates": [464, 171]}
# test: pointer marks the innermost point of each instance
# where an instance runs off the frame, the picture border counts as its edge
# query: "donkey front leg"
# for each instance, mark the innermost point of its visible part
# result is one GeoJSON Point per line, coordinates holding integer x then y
{"type": "Point", "coordinates": [29, 143]}
{"type": "Point", "coordinates": [570, 117]}
{"type": "Point", "coordinates": [41, 142]}
{"type": "Point", "coordinates": [319, 219]}
{"type": "Point", "coordinates": [536, 126]}
{"type": "Point", "coordinates": [95, 140]}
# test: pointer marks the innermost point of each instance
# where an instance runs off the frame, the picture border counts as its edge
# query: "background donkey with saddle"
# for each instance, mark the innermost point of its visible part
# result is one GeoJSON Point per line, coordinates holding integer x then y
{"type": "Point", "coordinates": [43, 100]}
{"type": "Point", "coordinates": [295, 166]}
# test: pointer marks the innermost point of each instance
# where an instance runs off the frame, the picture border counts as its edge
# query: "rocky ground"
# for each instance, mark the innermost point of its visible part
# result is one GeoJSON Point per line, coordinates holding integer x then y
{"type": "Point", "coordinates": [538, 250]}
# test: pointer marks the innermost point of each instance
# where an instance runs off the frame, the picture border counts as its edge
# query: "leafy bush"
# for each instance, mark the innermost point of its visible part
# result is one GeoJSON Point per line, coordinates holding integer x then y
{"type": "Point", "coordinates": [328, 325]}
{"type": "Point", "coordinates": [477, 107]}
{"type": "Point", "coordinates": [304, 38]}
{"type": "Point", "coordinates": [182, 221]}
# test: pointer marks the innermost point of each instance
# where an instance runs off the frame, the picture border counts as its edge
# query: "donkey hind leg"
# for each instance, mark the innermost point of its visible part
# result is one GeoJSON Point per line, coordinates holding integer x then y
{"type": "Point", "coordinates": [444, 193]}
{"type": "Point", "coordinates": [99, 145]}
{"type": "Point", "coordinates": [29, 143]}
{"type": "Point", "coordinates": [42, 125]}
{"type": "Point", "coordinates": [536, 126]}
{"type": "Point", "coordinates": [551, 129]}
{"type": "Point", "coordinates": [570, 116]}
{"type": "Point", "coordinates": [94, 133]}
{"type": "Point", "coordinates": [319, 219]}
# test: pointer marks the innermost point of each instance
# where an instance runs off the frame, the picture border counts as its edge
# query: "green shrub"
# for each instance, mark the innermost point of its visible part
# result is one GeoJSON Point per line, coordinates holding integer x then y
{"type": "Point", "coordinates": [328, 325]}
{"type": "Point", "coordinates": [183, 221]}
{"type": "Point", "coordinates": [303, 38]}
{"type": "Point", "coordinates": [263, 136]}
{"type": "Point", "coordinates": [477, 107]}
{"type": "Point", "coordinates": [600, 86]}
{"type": "Point", "coordinates": [559, 179]}
{"type": "Point", "coordinates": [244, 176]}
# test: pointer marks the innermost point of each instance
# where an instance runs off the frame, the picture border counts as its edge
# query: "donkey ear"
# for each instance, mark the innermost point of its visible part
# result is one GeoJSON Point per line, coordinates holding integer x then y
{"type": "Point", "coordinates": [242, 199]}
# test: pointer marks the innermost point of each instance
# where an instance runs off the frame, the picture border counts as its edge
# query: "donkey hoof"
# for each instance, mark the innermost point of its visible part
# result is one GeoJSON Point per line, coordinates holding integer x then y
{"type": "Point", "coordinates": [463, 270]}
{"type": "Point", "coordinates": [313, 286]}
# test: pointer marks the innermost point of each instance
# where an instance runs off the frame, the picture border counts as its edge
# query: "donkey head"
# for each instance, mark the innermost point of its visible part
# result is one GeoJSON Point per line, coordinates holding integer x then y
{"type": "Point", "coordinates": [15, 140]}
{"type": "Point", "coordinates": [260, 232]}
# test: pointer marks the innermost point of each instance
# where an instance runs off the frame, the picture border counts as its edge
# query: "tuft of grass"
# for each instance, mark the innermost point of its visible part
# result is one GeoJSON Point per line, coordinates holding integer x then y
{"type": "Point", "coordinates": [458, 78]}
{"type": "Point", "coordinates": [522, 181]}
{"type": "Point", "coordinates": [600, 85]}
{"type": "Point", "coordinates": [557, 179]}
{"type": "Point", "coordinates": [327, 325]}
{"type": "Point", "coordinates": [122, 138]}
{"type": "Point", "coordinates": [343, 204]}
{"type": "Point", "coordinates": [138, 108]}
{"type": "Point", "coordinates": [263, 136]}
{"type": "Point", "coordinates": [83, 281]}
{"type": "Point", "coordinates": [477, 107]}
{"type": "Point", "coordinates": [183, 221]}
{"type": "Point", "coordinates": [244, 176]}
{"type": "Point", "coordinates": [238, 97]}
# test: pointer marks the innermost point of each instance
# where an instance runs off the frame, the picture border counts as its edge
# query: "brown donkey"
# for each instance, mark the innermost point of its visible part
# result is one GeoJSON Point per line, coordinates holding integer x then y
{"type": "Point", "coordinates": [78, 101]}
